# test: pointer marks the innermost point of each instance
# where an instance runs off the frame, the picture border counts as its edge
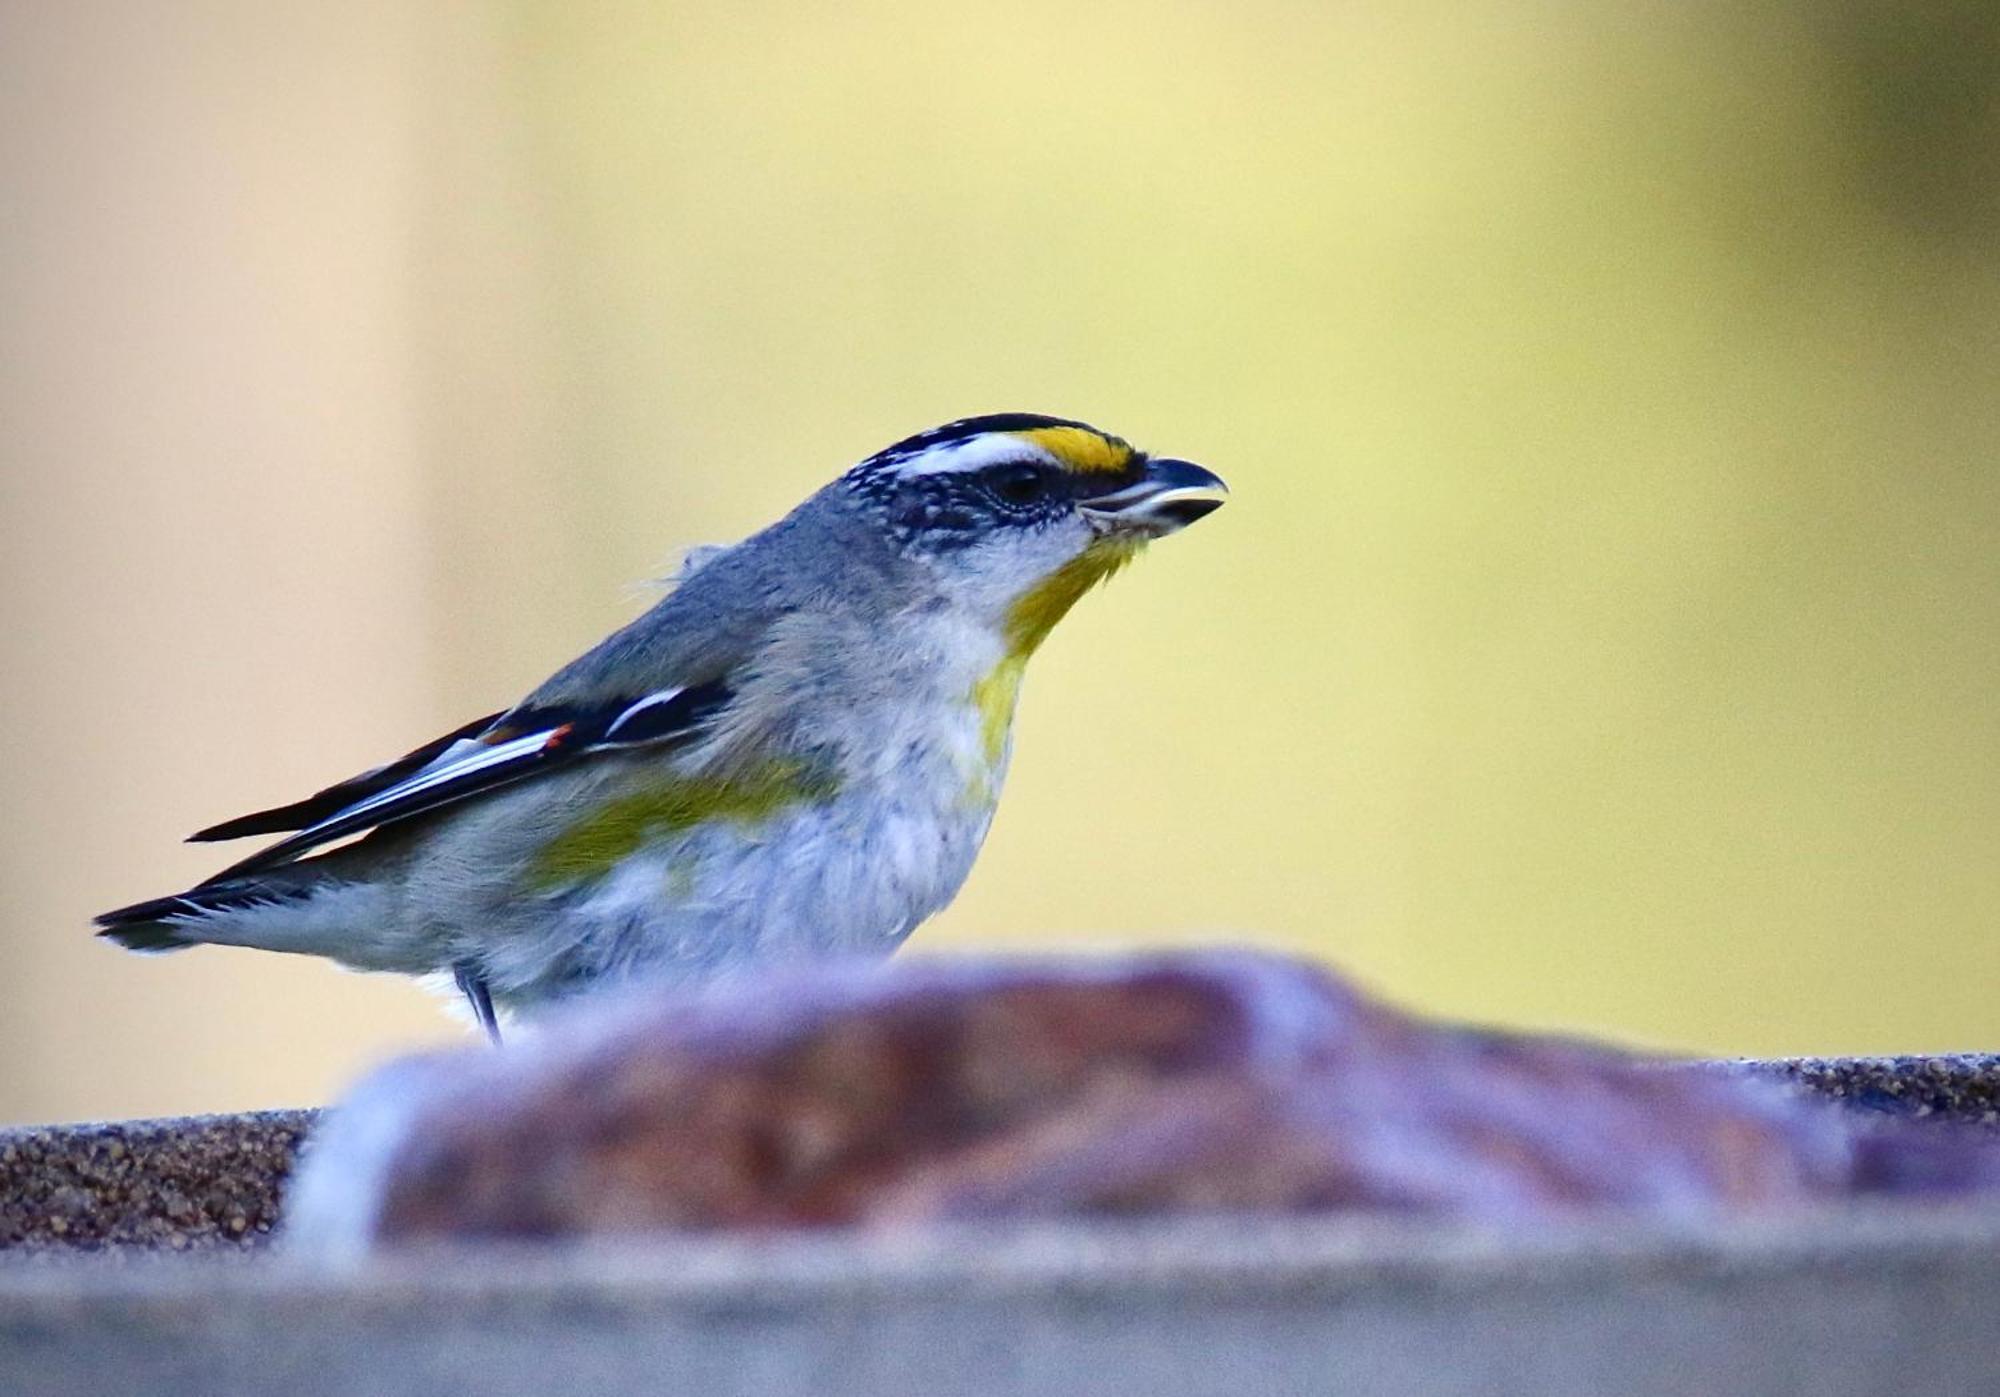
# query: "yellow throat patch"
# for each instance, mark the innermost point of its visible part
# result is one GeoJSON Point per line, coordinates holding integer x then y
{"type": "Point", "coordinates": [1030, 619]}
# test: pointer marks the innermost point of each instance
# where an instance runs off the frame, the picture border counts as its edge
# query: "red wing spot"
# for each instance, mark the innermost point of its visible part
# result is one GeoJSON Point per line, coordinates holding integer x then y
{"type": "Point", "coordinates": [558, 737]}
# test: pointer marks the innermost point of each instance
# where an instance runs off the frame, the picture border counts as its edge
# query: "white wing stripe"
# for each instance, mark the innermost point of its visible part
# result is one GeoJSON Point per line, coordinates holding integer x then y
{"type": "Point", "coordinates": [448, 768]}
{"type": "Point", "coordinates": [650, 701]}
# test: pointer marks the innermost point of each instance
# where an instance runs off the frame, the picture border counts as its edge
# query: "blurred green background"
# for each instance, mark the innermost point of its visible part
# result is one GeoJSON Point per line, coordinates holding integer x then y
{"type": "Point", "coordinates": [1604, 634]}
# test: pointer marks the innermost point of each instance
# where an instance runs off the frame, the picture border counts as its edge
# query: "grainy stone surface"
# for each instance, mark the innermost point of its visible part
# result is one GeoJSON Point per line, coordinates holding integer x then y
{"type": "Point", "coordinates": [1961, 1087]}
{"type": "Point", "coordinates": [199, 1183]}
{"type": "Point", "coordinates": [964, 1089]}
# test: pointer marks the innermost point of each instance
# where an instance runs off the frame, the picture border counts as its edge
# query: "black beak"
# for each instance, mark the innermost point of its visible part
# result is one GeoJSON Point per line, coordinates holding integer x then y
{"type": "Point", "coordinates": [1168, 497]}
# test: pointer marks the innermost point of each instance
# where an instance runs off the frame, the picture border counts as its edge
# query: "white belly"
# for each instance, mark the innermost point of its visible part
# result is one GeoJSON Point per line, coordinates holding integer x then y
{"type": "Point", "coordinates": [853, 875]}
{"type": "Point", "coordinates": [919, 772]}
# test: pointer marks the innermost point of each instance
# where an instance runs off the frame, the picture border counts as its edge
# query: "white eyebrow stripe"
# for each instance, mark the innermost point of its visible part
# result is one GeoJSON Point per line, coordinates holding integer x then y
{"type": "Point", "coordinates": [974, 453]}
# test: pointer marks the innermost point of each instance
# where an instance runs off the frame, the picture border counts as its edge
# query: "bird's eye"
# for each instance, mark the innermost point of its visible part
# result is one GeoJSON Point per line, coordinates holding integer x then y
{"type": "Point", "coordinates": [1020, 484]}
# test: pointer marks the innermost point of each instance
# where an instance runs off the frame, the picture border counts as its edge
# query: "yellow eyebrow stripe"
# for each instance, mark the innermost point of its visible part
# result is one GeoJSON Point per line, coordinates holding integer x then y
{"type": "Point", "coordinates": [1080, 449]}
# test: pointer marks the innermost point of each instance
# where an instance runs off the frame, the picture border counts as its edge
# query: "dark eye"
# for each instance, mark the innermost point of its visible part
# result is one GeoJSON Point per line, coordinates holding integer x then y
{"type": "Point", "coordinates": [1020, 485]}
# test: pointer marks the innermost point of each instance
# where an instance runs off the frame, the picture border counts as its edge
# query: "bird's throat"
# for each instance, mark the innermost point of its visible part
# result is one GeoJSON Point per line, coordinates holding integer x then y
{"type": "Point", "coordinates": [1035, 612]}
{"type": "Point", "coordinates": [1028, 623]}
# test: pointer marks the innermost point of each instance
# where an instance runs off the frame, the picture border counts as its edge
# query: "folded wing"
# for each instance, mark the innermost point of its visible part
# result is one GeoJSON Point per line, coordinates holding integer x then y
{"type": "Point", "coordinates": [481, 757]}
{"type": "Point", "coordinates": [338, 797]}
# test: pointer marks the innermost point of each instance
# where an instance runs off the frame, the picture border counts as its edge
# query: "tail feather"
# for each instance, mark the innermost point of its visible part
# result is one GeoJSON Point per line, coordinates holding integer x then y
{"type": "Point", "coordinates": [149, 937]}
{"type": "Point", "coordinates": [313, 907]}
{"type": "Point", "coordinates": [166, 923]}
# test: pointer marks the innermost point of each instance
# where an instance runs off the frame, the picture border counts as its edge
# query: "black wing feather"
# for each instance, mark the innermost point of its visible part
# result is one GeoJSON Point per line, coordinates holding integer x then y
{"type": "Point", "coordinates": [337, 797]}
{"type": "Point", "coordinates": [523, 743]}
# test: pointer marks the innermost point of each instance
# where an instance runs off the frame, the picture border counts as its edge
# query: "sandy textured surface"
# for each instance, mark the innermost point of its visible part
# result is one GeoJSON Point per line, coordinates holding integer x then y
{"type": "Point", "coordinates": [200, 1183]}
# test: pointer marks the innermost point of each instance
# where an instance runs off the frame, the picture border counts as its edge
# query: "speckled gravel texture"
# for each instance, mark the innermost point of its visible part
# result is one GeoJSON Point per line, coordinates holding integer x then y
{"type": "Point", "coordinates": [212, 1183]}
{"type": "Point", "coordinates": [1963, 1087]}
{"type": "Point", "coordinates": [199, 1183]}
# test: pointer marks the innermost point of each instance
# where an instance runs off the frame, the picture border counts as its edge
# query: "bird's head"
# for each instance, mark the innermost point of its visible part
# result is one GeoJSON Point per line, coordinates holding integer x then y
{"type": "Point", "coordinates": [1017, 516]}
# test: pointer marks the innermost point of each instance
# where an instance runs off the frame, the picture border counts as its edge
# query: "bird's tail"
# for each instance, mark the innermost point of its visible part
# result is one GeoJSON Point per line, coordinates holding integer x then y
{"type": "Point", "coordinates": [306, 907]}
{"type": "Point", "coordinates": [174, 923]}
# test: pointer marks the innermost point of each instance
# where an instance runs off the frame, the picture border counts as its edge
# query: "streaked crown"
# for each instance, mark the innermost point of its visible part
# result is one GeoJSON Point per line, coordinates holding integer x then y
{"type": "Point", "coordinates": [973, 442]}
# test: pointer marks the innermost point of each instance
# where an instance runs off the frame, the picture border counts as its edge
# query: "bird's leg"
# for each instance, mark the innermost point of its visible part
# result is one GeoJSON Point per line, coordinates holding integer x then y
{"type": "Point", "coordinates": [473, 986]}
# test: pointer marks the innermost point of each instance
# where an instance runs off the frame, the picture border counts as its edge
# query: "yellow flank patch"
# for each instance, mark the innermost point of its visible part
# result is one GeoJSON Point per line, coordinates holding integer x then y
{"type": "Point", "coordinates": [598, 841]}
{"type": "Point", "coordinates": [1081, 449]}
{"type": "Point", "coordinates": [1035, 612]}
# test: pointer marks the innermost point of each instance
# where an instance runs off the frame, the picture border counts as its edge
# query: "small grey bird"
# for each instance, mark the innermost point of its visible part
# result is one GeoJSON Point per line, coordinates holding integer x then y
{"type": "Point", "coordinates": [796, 752]}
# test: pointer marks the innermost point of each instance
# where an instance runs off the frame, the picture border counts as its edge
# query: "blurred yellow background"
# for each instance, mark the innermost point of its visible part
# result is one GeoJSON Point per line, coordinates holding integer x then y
{"type": "Point", "coordinates": [1605, 633]}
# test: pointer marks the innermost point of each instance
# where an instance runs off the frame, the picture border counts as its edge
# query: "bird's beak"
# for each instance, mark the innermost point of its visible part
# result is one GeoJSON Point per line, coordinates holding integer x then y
{"type": "Point", "coordinates": [1170, 496]}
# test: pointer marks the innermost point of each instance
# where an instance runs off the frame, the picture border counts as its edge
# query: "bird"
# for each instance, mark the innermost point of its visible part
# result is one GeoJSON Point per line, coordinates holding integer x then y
{"type": "Point", "coordinates": [795, 753]}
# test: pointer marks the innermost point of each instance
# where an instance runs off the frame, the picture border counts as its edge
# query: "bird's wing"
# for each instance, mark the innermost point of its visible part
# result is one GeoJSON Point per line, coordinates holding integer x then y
{"type": "Point", "coordinates": [340, 795]}
{"type": "Point", "coordinates": [476, 759]}
{"type": "Point", "coordinates": [656, 680]}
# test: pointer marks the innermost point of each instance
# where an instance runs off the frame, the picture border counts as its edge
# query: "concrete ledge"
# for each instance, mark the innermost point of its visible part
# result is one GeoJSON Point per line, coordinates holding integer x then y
{"type": "Point", "coordinates": [1836, 1303]}
{"type": "Point", "coordinates": [205, 1183]}
{"type": "Point", "coordinates": [1877, 1297]}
